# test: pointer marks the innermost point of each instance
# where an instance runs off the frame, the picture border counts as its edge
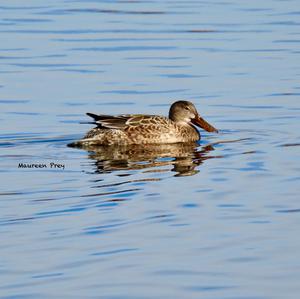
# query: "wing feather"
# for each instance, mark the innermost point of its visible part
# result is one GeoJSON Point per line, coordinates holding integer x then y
{"type": "Point", "coordinates": [110, 121]}
{"type": "Point", "coordinates": [121, 122]}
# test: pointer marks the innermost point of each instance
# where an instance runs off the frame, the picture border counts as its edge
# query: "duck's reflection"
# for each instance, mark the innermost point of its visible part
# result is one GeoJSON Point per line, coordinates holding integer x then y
{"type": "Point", "coordinates": [184, 158]}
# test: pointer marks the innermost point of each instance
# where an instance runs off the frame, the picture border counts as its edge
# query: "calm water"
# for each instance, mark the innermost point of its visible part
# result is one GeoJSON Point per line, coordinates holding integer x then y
{"type": "Point", "coordinates": [217, 220]}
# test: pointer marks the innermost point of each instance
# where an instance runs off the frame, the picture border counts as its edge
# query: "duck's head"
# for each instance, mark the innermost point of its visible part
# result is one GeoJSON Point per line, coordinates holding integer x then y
{"type": "Point", "coordinates": [186, 112]}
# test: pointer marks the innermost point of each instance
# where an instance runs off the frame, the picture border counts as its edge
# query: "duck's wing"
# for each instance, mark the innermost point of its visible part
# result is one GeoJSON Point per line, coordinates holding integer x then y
{"type": "Point", "coordinates": [121, 122]}
{"type": "Point", "coordinates": [109, 121]}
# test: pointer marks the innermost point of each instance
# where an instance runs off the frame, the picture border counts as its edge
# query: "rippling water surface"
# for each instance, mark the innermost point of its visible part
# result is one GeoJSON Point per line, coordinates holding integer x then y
{"type": "Point", "coordinates": [216, 220]}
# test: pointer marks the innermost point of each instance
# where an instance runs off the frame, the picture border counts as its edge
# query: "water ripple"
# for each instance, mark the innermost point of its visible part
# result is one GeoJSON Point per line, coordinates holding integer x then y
{"type": "Point", "coordinates": [113, 252]}
{"type": "Point", "coordinates": [124, 91]}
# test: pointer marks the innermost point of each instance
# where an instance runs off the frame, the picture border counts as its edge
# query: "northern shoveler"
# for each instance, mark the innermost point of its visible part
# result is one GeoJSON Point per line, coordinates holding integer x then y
{"type": "Point", "coordinates": [147, 129]}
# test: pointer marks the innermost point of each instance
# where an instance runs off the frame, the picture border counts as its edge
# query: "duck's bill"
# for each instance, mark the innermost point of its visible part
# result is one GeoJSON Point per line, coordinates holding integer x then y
{"type": "Point", "coordinates": [200, 122]}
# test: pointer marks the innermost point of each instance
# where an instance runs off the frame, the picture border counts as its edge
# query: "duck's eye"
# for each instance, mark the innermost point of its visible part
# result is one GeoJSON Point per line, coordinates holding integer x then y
{"type": "Point", "coordinates": [186, 108]}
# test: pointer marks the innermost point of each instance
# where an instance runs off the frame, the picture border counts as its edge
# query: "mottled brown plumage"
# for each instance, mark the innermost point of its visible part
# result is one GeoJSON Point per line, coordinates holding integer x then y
{"type": "Point", "coordinates": [147, 129]}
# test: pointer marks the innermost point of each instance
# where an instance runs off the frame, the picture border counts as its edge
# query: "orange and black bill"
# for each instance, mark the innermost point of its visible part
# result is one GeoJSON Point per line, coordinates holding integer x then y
{"type": "Point", "coordinates": [200, 122]}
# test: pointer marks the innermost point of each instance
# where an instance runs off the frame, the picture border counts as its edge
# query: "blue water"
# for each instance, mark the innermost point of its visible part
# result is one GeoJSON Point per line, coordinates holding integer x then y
{"type": "Point", "coordinates": [216, 220]}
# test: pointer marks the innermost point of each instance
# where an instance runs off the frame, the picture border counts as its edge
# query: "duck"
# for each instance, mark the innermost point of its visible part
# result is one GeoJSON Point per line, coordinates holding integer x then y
{"type": "Point", "coordinates": [141, 129]}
